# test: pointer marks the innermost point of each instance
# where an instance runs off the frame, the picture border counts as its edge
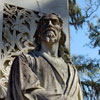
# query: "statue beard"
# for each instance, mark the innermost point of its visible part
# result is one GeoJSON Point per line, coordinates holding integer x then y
{"type": "Point", "coordinates": [50, 36]}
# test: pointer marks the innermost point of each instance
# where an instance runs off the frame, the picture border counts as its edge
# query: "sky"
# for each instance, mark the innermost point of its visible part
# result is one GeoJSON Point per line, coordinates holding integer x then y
{"type": "Point", "coordinates": [78, 44]}
{"type": "Point", "coordinates": [79, 40]}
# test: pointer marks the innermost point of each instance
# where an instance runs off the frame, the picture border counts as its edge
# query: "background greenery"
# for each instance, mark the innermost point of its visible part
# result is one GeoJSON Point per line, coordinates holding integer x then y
{"type": "Point", "coordinates": [89, 69]}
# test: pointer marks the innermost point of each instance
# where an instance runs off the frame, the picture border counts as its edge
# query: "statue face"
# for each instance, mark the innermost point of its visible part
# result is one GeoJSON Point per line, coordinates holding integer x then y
{"type": "Point", "coordinates": [50, 29]}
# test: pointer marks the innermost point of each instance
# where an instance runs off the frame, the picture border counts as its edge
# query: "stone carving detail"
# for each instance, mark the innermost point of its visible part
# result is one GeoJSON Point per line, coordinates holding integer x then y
{"type": "Point", "coordinates": [19, 25]}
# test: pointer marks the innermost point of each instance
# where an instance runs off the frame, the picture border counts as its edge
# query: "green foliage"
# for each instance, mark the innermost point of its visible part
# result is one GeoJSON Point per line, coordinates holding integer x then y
{"type": "Point", "coordinates": [89, 71]}
{"type": "Point", "coordinates": [75, 14]}
{"type": "Point", "coordinates": [79, 16]}
{"type": "Point", "coordinates": [94, 35]}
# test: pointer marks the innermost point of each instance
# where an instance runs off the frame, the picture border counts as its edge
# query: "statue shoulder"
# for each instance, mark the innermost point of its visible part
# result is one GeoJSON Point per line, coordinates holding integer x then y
{"type": "Point", "coordinates": [27, 58]}
{"type": "Point", "coordinates": [30, 55]}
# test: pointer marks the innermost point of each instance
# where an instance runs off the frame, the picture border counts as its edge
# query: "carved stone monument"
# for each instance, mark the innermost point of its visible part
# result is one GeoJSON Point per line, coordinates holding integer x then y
{"type": "Point", "coordinates": [44, 73]}
{"type": "Point", "coordinates": [18, 21]}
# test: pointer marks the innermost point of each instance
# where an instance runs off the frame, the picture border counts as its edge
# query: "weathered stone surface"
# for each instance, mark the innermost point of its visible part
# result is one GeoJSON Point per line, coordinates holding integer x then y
{"type": "Point", "coordinates": [18, 20]}
{"type": "Point", "coordinates": [45, 73]}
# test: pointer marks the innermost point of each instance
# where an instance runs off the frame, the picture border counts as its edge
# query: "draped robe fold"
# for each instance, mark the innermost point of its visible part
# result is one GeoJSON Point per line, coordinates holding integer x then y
{"type": "Point", "coordinates": [37, 77]}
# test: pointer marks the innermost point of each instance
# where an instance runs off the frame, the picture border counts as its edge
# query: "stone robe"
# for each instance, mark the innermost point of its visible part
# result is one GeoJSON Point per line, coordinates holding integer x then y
{"type": "Point", "coordinates": [41, 77]}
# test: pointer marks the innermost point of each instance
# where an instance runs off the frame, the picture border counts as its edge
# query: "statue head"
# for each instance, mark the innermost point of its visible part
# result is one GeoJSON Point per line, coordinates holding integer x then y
{"type": "Point", "coordinates": [50, 29]}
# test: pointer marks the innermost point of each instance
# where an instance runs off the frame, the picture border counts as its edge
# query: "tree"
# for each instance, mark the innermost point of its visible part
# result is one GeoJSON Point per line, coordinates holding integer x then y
{"type": "Point", "coordinates": [80, 16]}
{"type": "Point", "coordinates": [90, 68]}
{"type": "Point", "coordinates": [89, 71]}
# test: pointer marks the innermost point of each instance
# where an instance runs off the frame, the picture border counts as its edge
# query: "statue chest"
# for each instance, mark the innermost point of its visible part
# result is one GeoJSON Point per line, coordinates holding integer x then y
{"type": "Point", "coordinates": [53, 74]}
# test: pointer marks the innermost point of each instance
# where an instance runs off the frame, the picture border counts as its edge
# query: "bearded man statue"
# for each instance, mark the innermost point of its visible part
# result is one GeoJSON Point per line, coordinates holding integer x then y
{"type": "Point", "coordinates": [45, 73]}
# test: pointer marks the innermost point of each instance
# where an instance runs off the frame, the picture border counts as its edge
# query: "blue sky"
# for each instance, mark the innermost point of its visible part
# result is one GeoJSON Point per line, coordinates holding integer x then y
{"type": "Point", "coordinates": [79, 39]}
{"type": "Point", "coordinates": [78, 42]}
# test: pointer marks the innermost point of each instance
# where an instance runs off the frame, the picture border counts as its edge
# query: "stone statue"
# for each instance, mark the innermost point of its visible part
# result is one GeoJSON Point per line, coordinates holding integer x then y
{"type": "Point", "coordinates": [46, 73]}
